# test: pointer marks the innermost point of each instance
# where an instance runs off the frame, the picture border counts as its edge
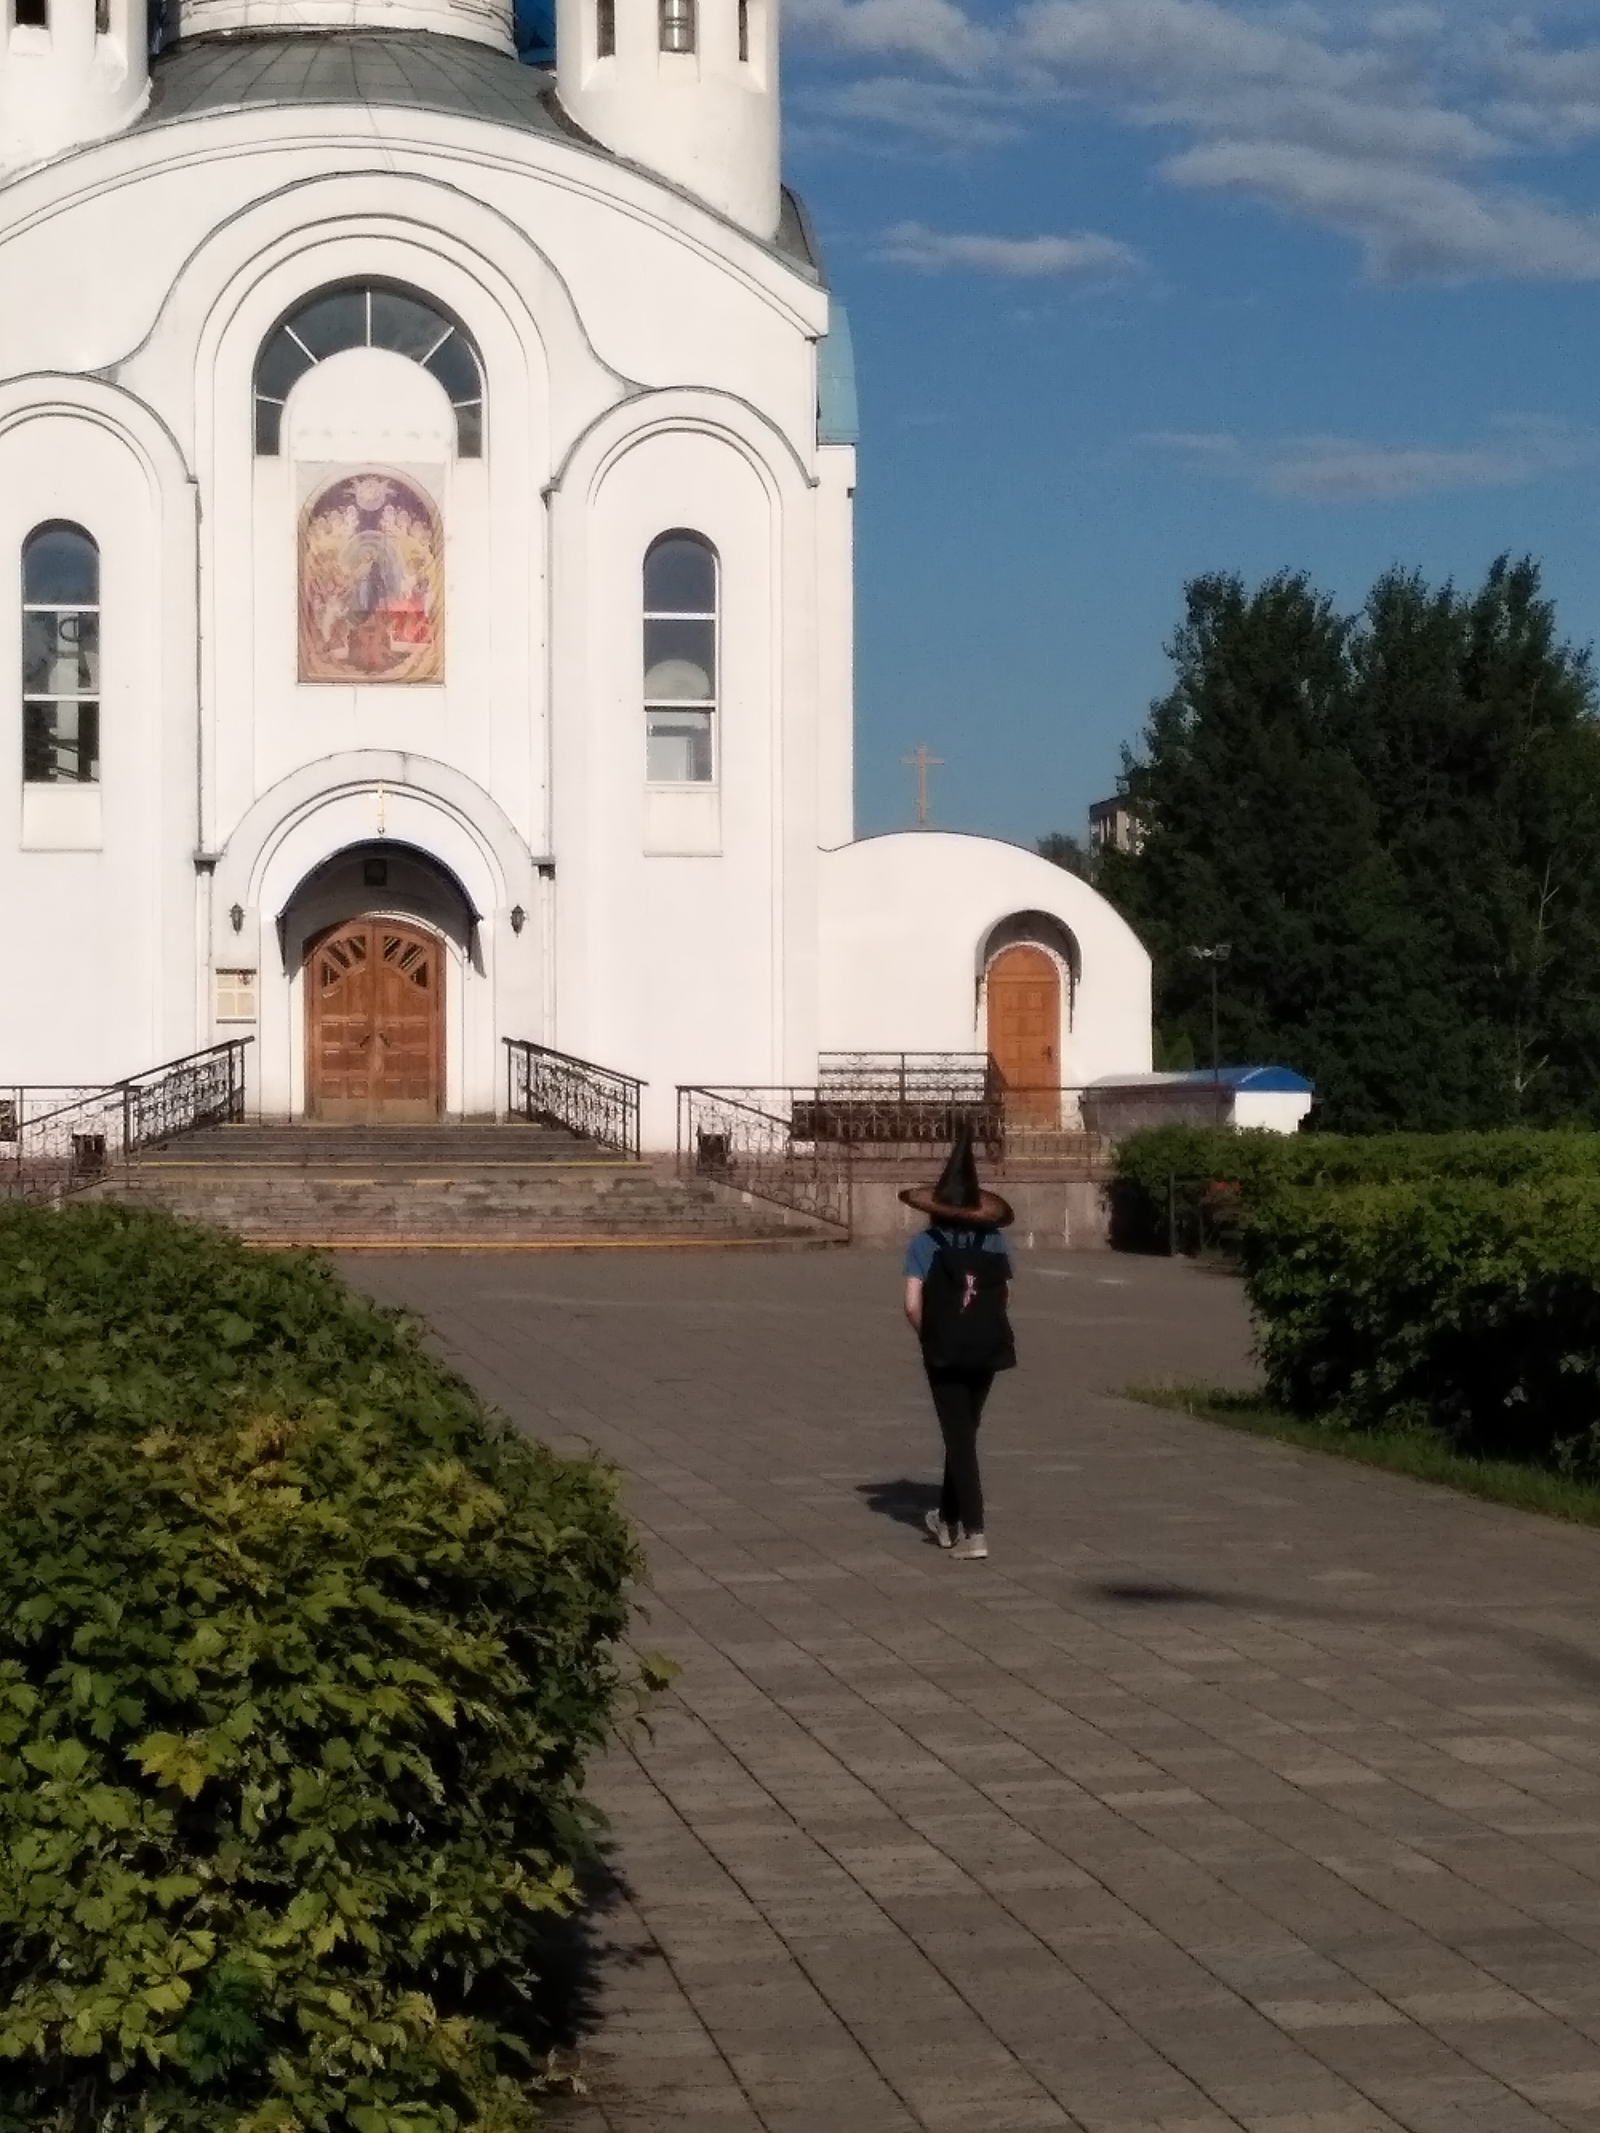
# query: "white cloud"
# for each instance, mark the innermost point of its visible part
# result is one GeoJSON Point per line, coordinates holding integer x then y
{"type": "Point", "coordinates": [1551, 98]}
{"type": "Point", "coordinates": [1410, 223]}
{"type": "Point", "coordinates": [947, 114]}
{"type": "Point", "coordinates": [933, 30]}
{"type": "Point", "coordinates": [910, 244]}
{"type": "Point", "coordinates": [1397, 125]}
{"type": "Point", "coordinates": [1353, 470]}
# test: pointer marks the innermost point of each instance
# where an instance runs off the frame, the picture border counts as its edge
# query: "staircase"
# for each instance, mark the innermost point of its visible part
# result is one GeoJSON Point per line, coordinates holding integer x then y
{"type": "Point", "coordinates": [472, 1187]}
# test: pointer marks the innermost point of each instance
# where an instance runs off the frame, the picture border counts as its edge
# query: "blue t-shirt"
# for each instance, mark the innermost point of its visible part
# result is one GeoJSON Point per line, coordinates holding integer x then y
{"type": "Point", "coordinates": [920, 1251]}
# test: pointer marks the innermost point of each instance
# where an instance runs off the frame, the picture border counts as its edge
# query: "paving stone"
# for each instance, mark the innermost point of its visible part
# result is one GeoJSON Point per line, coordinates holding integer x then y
{"type": "Point", "coordinates": [1241, 1791]}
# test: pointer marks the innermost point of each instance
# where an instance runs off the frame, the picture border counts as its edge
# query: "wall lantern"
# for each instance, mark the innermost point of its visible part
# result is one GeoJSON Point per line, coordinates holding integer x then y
{"type": "Point", "coordinates": [236, 918]}
{"type": "Point", "coordinates": [519, 918]}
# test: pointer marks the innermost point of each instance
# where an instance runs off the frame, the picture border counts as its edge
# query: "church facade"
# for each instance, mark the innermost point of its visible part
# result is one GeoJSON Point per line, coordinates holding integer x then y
{"type": "Point", "coordinates": [426, 600]}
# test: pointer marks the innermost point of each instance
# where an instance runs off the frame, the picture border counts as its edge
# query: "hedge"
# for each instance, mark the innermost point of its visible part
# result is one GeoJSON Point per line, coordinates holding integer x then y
{"type": "Point", "coordinates": [1462, 1305]}
{"type": "Point", "coordinates": [1257, 1162]}
{"type": "Point", "coordinates": [300, 1660]}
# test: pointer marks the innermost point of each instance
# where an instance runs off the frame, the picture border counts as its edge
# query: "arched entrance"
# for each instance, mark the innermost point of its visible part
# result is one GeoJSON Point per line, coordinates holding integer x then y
{"type": "Point", "coordinates": [1024, 1001]}
{"type": "Point", "coordinates": [374, 994]}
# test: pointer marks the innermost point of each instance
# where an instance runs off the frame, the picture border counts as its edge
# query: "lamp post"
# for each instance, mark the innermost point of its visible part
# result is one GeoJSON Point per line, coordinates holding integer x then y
{"type": "Point", "coordinates": [1214, 956]}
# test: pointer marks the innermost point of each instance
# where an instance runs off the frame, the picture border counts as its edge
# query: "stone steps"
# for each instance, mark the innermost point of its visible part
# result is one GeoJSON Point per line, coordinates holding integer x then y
{"type": "Point", "coordinates": [466, 1188]}
{"type": "Point", "coordinates": [305, 1147]}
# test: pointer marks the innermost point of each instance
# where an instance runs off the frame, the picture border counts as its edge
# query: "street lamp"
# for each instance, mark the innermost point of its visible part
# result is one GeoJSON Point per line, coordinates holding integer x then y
{"type": "Point", "coordinates": [1215, 955]}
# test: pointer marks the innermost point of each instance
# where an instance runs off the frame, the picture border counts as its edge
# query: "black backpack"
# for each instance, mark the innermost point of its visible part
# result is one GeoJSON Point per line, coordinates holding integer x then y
{"type": "Point", "coordinates": [964, 1322]}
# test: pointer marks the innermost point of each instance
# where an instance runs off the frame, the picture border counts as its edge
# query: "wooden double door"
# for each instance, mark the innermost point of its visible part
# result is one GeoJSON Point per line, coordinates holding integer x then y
{"type": "Point", "coordinates": [1024, 993]}
{"type": "Point", "coordinates": [374, 990]}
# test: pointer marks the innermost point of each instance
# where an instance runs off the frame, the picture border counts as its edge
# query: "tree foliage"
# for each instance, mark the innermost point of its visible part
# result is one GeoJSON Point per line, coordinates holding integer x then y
{"type": "Point", "coordinates": [300, 1661]}
{"type": "Point", "coordinates": [1463, 1306]}
{"type": "Point", "coordinates": [1394, 821]}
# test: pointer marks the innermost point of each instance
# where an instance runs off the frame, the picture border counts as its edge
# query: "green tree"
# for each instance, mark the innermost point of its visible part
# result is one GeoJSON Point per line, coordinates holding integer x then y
{"type": "Point", "coordinates": [1070, 852]}
{"type": "Point", "coordinates": [1394, 821]}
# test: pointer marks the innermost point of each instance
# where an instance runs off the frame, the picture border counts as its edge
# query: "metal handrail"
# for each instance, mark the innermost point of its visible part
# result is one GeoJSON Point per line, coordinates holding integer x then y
{"type": "Point", "coordinates": [75, 1145]}
{"type": "Point", "coordinates": [756, 1141]}
{"type": "Point", "coordinates": [550, 1088]}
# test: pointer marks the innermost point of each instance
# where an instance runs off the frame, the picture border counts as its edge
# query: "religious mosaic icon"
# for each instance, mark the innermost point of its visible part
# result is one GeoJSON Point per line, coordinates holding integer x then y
{"type": "Point", "coordinates": [371, 582]}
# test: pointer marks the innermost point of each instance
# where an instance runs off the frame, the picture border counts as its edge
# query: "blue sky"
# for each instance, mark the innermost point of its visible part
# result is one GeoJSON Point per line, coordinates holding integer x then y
{"type": "Point", "coordinates": [1142, 288]}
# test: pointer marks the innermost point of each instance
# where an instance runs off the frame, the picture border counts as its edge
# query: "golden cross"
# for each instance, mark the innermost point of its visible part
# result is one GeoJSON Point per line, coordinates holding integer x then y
{"type": "Point", "coordinates": [922, 763]}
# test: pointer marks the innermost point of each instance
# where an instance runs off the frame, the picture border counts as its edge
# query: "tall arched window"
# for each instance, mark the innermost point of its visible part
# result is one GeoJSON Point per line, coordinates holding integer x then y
{"type": "Point", "coordinates": [680, 660]}
{"type": "Point", "coordinates": [60, 657]}
{"type": "Point", "coordinates": [370, 315]}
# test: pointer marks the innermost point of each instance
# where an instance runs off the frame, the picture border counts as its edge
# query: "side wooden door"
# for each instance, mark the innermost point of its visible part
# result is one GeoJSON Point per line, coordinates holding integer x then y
{"type": "Point", "coordinates": [1024, 993]}
{"type": "Point", "coordinates": [375, 1023]}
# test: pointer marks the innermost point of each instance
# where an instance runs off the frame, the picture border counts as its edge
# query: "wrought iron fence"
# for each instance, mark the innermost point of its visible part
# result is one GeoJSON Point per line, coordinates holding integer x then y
{"type": "Point", "coordinates": [766, 1142]}
{"type": "Point", "coordinates": [903, 1101]}
{"type": "Point", "coordinates": [55, 1142]}
{"type": "Point", "coordinates": [896, 1106]}
{"type": "Point", "coordinates": [553, 1089]}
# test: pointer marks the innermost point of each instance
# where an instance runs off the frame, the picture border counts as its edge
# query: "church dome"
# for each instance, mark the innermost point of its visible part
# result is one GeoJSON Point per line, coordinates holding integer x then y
{"type": "Point", "coordinates": [483, 21]}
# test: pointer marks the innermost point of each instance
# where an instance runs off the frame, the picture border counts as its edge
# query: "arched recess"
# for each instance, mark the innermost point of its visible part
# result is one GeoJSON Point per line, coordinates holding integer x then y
{"type": "Point", "coordinates": [402, 227]}
{"type": "Point", "coordinates": [348, 800]}
{"type": "Point", "coordinates": [1029, 967]}
{"type": "Point", "coordinates": [380, 939]}
{"type": "Point", "coordinates": [297, 864]}
{"type": "Point", "coordinates": [703, 463]}
{"type": "Point", "coordinates": [470, 260]}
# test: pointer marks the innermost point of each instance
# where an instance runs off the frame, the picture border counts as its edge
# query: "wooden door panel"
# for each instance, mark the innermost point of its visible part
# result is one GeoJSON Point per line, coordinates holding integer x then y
{"type": "Point", "coordinates": [1024, 993]}
{"type": "Point", "coordinates": [375, 1023]}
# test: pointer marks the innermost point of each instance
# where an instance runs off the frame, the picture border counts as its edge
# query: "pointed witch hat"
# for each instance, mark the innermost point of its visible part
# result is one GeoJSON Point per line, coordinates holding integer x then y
{"type": "Point", "coordinates": [958, 1198]}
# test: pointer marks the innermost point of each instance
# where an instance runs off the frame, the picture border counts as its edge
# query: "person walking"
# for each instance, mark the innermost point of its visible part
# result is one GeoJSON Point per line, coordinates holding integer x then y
{"type": "Point", "coordinates": [958, 1275]}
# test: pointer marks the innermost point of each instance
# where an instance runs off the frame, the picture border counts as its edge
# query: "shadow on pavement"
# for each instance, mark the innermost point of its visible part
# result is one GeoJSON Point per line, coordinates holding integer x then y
{"type": "Point", "coordinates": [1572, 1662]}
{"type": "Point", "coordinates": [905, 1501]}
{"type": "Point", "coordinates": [570, 1954]}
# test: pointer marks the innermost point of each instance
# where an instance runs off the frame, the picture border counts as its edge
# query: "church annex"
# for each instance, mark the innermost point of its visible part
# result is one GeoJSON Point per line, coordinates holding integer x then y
{"type": "Point", "coordinates": [425, 578]}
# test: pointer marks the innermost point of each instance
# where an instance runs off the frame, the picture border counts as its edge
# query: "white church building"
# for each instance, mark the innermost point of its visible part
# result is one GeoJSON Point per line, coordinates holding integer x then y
{"type": "Point", "coordinates": [426, 578]}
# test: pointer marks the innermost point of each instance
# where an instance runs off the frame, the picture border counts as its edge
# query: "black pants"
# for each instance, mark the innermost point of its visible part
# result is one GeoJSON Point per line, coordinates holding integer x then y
{"type": "Point", "coordinates": [958, 1397]}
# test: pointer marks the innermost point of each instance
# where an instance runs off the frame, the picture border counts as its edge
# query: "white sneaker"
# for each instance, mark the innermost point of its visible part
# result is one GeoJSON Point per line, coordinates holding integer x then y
{"type": "Point", "coordinates": [972, 1548]}
{"type": "Point", "coordinates": [943, 1534]}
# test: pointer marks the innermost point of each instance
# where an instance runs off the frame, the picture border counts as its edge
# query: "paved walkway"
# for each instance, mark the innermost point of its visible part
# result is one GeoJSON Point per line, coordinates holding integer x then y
{"type": "Point", "coordinates": [1240, 1788]}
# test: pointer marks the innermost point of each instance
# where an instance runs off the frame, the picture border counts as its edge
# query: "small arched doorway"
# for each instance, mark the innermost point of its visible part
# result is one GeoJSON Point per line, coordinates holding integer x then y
{"type": "Point", "coordinates": [374, 993]}
{"type": "Point", "coordinates": [1023, 989]}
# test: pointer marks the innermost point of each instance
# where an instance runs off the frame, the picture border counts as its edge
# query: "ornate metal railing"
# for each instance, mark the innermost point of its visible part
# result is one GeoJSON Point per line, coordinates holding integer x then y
{"type": "Point", "coordinates": [50, 1148]}
{"type": "Point", "coordinates": [765, 1142]}
{"type": "Point", "coordinates": [896, 1101]}
{"type": "Point", "coordinates": [553, 1089]}
{"type": "Point", "coordinates": [896, 1107]}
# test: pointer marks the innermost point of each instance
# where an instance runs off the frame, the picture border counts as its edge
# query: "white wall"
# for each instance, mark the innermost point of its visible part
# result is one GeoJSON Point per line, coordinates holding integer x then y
{"type": "Point", "coordinates": [98, 879]}
{"type": "Point", "coordinates": [677, 937]}
{"type": "Point", "coordinates": [1271, 1110]}
{"type": "Point", "coordinates": [648, 368]}
{"type": "Point", "coordinates": [676, 906]}
{"type": "Point", "coordinates": [903, 923]}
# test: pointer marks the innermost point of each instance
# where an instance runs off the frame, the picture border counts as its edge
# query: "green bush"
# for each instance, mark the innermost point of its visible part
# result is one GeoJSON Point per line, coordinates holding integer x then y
{"type": "Point", "coordinates": [1255, 1162]}
{"type": "Point", "coordinates": [1464, 1306]}
{"type": "Point", "coordinates": [300, 1660]}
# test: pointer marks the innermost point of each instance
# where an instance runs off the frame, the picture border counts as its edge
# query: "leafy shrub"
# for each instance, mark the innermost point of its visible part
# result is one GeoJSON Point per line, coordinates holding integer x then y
{"type": "Point", "coordinates": [1462, 1305]}
{"type": "Point", "coordinates": [1256, 1162]}
{"type": "Point", "coordinates": [300, 1659]}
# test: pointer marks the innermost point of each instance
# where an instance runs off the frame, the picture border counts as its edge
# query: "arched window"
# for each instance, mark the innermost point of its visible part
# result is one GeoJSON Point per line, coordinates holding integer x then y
{"type": "Point", "coordinates": [60, 657]}
{"type": "Point", "coordinates": [680, 660]}
{"type": "Point", "coordinates": [677, 25]}
{"type": "Point", "coordinates": [370, 315]}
